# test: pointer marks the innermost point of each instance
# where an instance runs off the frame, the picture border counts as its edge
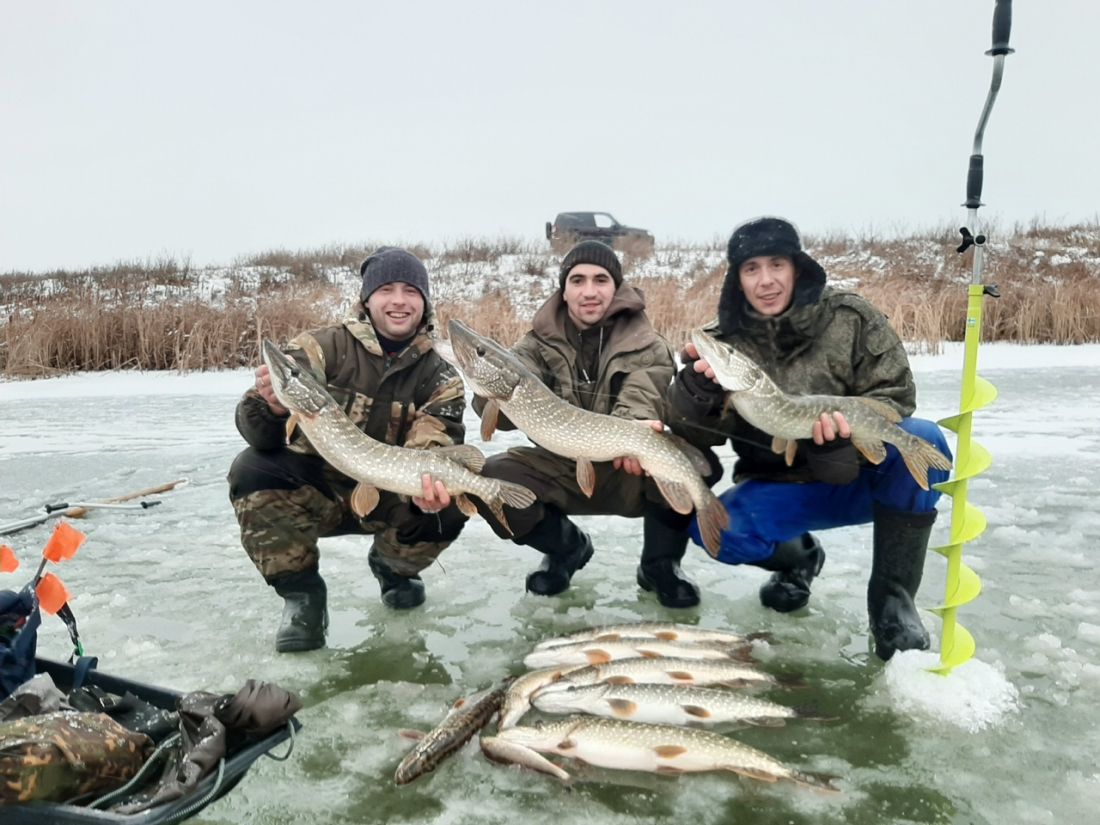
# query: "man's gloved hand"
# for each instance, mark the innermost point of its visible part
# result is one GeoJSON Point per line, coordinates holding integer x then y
{"type": "Point", "coordinates": [834, 462]}
{"type": "Point", "coordinates": [698, 385]}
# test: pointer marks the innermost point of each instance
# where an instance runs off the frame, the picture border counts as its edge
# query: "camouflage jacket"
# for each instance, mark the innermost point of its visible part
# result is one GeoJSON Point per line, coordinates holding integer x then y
{"type": "Point", "coordinates": [833, 343]}
{"type": "Point", "coordinates": [413, 399]}
{"type": "Point", "coordinates": [634, 363]}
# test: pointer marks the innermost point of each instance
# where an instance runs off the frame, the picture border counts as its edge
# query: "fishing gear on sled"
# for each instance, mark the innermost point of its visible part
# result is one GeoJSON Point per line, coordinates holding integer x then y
{"type": "Point", "coordinates": [967, 521]}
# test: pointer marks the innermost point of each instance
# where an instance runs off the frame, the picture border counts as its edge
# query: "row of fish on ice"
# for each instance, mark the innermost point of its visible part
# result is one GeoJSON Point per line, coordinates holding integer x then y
{"type": "Point", "coordinates": [640, 697]}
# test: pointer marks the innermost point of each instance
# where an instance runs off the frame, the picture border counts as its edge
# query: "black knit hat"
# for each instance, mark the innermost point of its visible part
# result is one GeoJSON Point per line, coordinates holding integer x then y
{"type": "Point", "coordinates": [592, 252]}
{"type": "Point", "coordinates": [389, 264]}
{"type": "Point", "coordinates": [766, 236]}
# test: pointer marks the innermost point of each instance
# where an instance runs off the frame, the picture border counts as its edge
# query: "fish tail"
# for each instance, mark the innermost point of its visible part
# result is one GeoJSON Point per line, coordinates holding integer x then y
{"type": "Point", "coordinates": [816, 781]}
{"type": "Point", "coordinates": [920, 457]}
{"type": "Point", "coordinates": [713, 518]}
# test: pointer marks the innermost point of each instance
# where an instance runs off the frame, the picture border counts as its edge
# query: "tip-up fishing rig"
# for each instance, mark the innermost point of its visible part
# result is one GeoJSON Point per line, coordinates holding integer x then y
{"type": "Point", "coordinates": [971, 459]}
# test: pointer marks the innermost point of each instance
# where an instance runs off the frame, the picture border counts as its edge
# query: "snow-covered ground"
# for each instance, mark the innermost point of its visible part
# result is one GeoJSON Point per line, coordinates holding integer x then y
{"type": "Point", "coordinates": [167, 596]}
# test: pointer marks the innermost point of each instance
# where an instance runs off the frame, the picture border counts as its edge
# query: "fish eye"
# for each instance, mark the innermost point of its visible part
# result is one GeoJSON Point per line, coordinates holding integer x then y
{"type": "Point", "coordinates": [480, 350]}
{"type": "Point", "coordinates": [294, 372]}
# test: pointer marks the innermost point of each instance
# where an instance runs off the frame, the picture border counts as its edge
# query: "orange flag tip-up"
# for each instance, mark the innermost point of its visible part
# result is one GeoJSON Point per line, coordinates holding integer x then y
{"type": "Point", "coordinates": [51, 593]}
{"type": "Point", "coordinates": [8, 562]}
{"type": "Point", "coordinates": [63, 544]}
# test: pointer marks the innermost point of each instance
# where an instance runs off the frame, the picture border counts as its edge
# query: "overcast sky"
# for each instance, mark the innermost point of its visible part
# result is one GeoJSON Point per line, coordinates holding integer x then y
{"type": "Point", "coordinates": [209, 130]}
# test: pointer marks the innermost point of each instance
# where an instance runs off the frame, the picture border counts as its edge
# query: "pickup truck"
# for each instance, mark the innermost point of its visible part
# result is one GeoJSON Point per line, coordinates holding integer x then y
{"type": "Point", "coordinates": [570, 227]}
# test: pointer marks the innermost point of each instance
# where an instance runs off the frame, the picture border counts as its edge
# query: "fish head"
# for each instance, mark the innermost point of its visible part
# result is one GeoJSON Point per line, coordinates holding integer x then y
{"type": "Point", "coordinates": [733, 370]}
{"type": "Point", "coordinates": [541, 736]}
{"type": "Point", "coordinates": [490, 369]}
{"type": "Point", "coordinates": [295, 387]}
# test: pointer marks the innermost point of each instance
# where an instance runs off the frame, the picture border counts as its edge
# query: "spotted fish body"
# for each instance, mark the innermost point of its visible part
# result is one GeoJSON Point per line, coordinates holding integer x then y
{"type": "Point", "coordinates": [789, 418]}
{"type": "Point", "coordinates": [663, 704]}
{"type": "Point", "coordinates": [598, 653]}
{"type": "Point", "coordinates": [611, 743]}
{"type": "Point", "coordinates": [465, 719]}
{"type": "Point", "coordinates": [374, 463]}
{"type": "Point", "coordinates": [664, 631]}
{"type": "Point", "coordinates": [556, 425]}
{"type": "Point", "coordinates": [672, 671]}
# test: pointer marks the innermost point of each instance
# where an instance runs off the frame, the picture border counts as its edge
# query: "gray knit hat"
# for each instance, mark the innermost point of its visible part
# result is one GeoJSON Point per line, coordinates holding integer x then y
{"type": "Point", "coordinates": [592, 252]}
{"type": "Point", "coordinates": [389, 264]}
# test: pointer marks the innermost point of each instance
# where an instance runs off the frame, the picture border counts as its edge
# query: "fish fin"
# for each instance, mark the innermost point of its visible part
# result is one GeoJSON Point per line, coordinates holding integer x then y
{"type": "Point", "coordinates": [648, 654]}
{"type": "Point", "coordinates": [790, 452]}
{"type": "Point", "coordinates": [670, 751]}
{"type": "Point", "coordinates": [920, 458]}
{"type": "Point", "coordinates": [467, 455]}
{"type": "Point", "coordinates": [676, 494]}
{"type": "Point", "coordinates": [667, 635]}
{"type": "Point", "coordinates": [816, 781]}
{"type": "Point", "coordinates": [622, 707]}
{"type": "Point", "coordinates": [516, 495]}
{"type": "Point", "coordinates": [489, 417]}
{"type": "Point", "coordinates": [465, 506]}
{"type": "Point", "coordinates": [878, 407]}
{"type": "Point", "coordinates": [596, 656]}
{"type": "Point", "coordinates": [618, 680]}
{"type": "Point", "coordinates": [503, 752]}
{"type": "Point", "coordinates": [498, 513]}
{"type": "Point", "coordinates": [410, 733]}
{"type": "Point", "coordinates": [694, 454]}
{"type": "Point", "coordinates": [364, 498]}
{"type": "Point", "coordinates": [680, 676]}
{"type": "Point", "coordinates": [872, 449]}
{"type": "Point", "coordinates": [751, 773]}
{"type": "Point", "coordinates": [586, 476]}
{"type": "Point", "coordinates": [696, 711]}
{"type": "Point", "coordinates": [291, 425]}
{"type": "Point", "coordinates": [779, 445]}
{"type": "Point", "coordinates": [713, 521]}
{"type": "Point", "coordinates": [566, 744]}
{"type": "Point", "coordinates": [608, 637]}
{"type": "Point", "coordinates": [765, 721]}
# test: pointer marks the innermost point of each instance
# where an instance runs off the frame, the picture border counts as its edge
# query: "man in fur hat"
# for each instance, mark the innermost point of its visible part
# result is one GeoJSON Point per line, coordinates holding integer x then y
{"type": "Point", "coordinates": [811, 339]}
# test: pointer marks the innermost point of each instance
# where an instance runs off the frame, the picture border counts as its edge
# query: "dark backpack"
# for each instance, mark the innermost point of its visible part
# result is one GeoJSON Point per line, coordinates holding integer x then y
{"type": "Point", "coordinates": [19, 621]}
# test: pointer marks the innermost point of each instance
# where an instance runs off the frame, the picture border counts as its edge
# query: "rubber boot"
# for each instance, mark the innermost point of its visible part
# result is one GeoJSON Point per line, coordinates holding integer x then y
{"type": "Point", "coordinates": [566, 550]}
{"type": "Point", "coordinates": [305, 611]}
{"type": "Point", "coordinates": [664, 542]}
{"type": "Point", "coordinates": [796, 562]}
{"type": "Point", "coordinates": [398, 592]}
{"type": "Point", "coordinates": [900, 542]}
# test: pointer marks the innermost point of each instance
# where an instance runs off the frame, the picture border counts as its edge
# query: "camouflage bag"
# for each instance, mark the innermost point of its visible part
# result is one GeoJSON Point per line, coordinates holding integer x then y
{"type": "Point", "coordinates": [62, 756]}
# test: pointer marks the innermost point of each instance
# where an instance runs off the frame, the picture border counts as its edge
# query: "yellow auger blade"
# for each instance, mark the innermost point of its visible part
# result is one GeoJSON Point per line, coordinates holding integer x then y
{"type": "Point", "coordinates": [967, 521]}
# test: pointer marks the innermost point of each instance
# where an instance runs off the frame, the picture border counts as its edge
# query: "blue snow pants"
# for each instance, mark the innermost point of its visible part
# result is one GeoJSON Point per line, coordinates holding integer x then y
{"type": "Point", "coordinates": [763, 513]}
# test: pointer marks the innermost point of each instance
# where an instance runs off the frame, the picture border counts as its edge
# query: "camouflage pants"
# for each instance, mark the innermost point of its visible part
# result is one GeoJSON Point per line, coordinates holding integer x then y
{"type": "Point", "coordinates": [553, 480]}
{"type": "Point", "coordinates": [285, 501]}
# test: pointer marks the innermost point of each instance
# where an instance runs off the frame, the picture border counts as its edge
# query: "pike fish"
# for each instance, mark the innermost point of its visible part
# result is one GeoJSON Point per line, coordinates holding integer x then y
{"type": "Point", "coordinates": [725, 672]}
{"type": "Point", "coordinates": [633, 746]}
{"type": "Point", "coordinates": [374, 464]}
{"type": "Point", "coordinates": [586, 437]}
{"type": "Point", "coordinates": [518, 699]}
{"type": "Point", "coordinates": [598, 653]}
{"type": "Point", "coordinates": [788, 418]}
{"type": "Point", "coordinates": [664, 704]}
{"type": "Point", "coordinates": [665, 631]}
{"type": "Point", "coordinates": [465, 719]}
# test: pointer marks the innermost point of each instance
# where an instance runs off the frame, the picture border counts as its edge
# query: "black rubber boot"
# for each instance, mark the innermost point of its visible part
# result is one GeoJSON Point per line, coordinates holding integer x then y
{"type": "Point", "coordinates": [796, 562]}
{"type": "Point", "coordinates": [305, 611]}
{"type": "Point", "coordinates": [398, 592]}
{"type": "Point", "coordinates": [664, 542]}
{"type": "Point", "coordinates": [566, 550]}
{"type": "Point", "coordinates": [900, 545]}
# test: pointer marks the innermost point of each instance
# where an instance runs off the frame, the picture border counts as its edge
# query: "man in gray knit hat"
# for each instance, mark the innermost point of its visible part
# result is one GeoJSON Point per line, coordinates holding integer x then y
{"type": "Point", "coordinates": [592, 343]}
{"type": "Point", "coordinates": [380, 366]}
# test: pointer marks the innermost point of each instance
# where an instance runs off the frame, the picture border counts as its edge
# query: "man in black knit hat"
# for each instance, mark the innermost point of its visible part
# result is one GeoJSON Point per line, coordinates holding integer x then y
{"type": "Point", "coordinates": [593, 345]}
{"type": "Point", "coordinates": [811, 339]}
{"type": "Point", "coordinates": [381, 368]}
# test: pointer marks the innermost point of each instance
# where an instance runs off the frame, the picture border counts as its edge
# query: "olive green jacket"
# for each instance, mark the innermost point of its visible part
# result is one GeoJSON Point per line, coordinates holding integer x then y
{"type": "Point", "coordinates": [413, 399]}
{"type": "Point", "coordinates": [828, 342]}
{"type": "Point", "coordinates": [635, 364]}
